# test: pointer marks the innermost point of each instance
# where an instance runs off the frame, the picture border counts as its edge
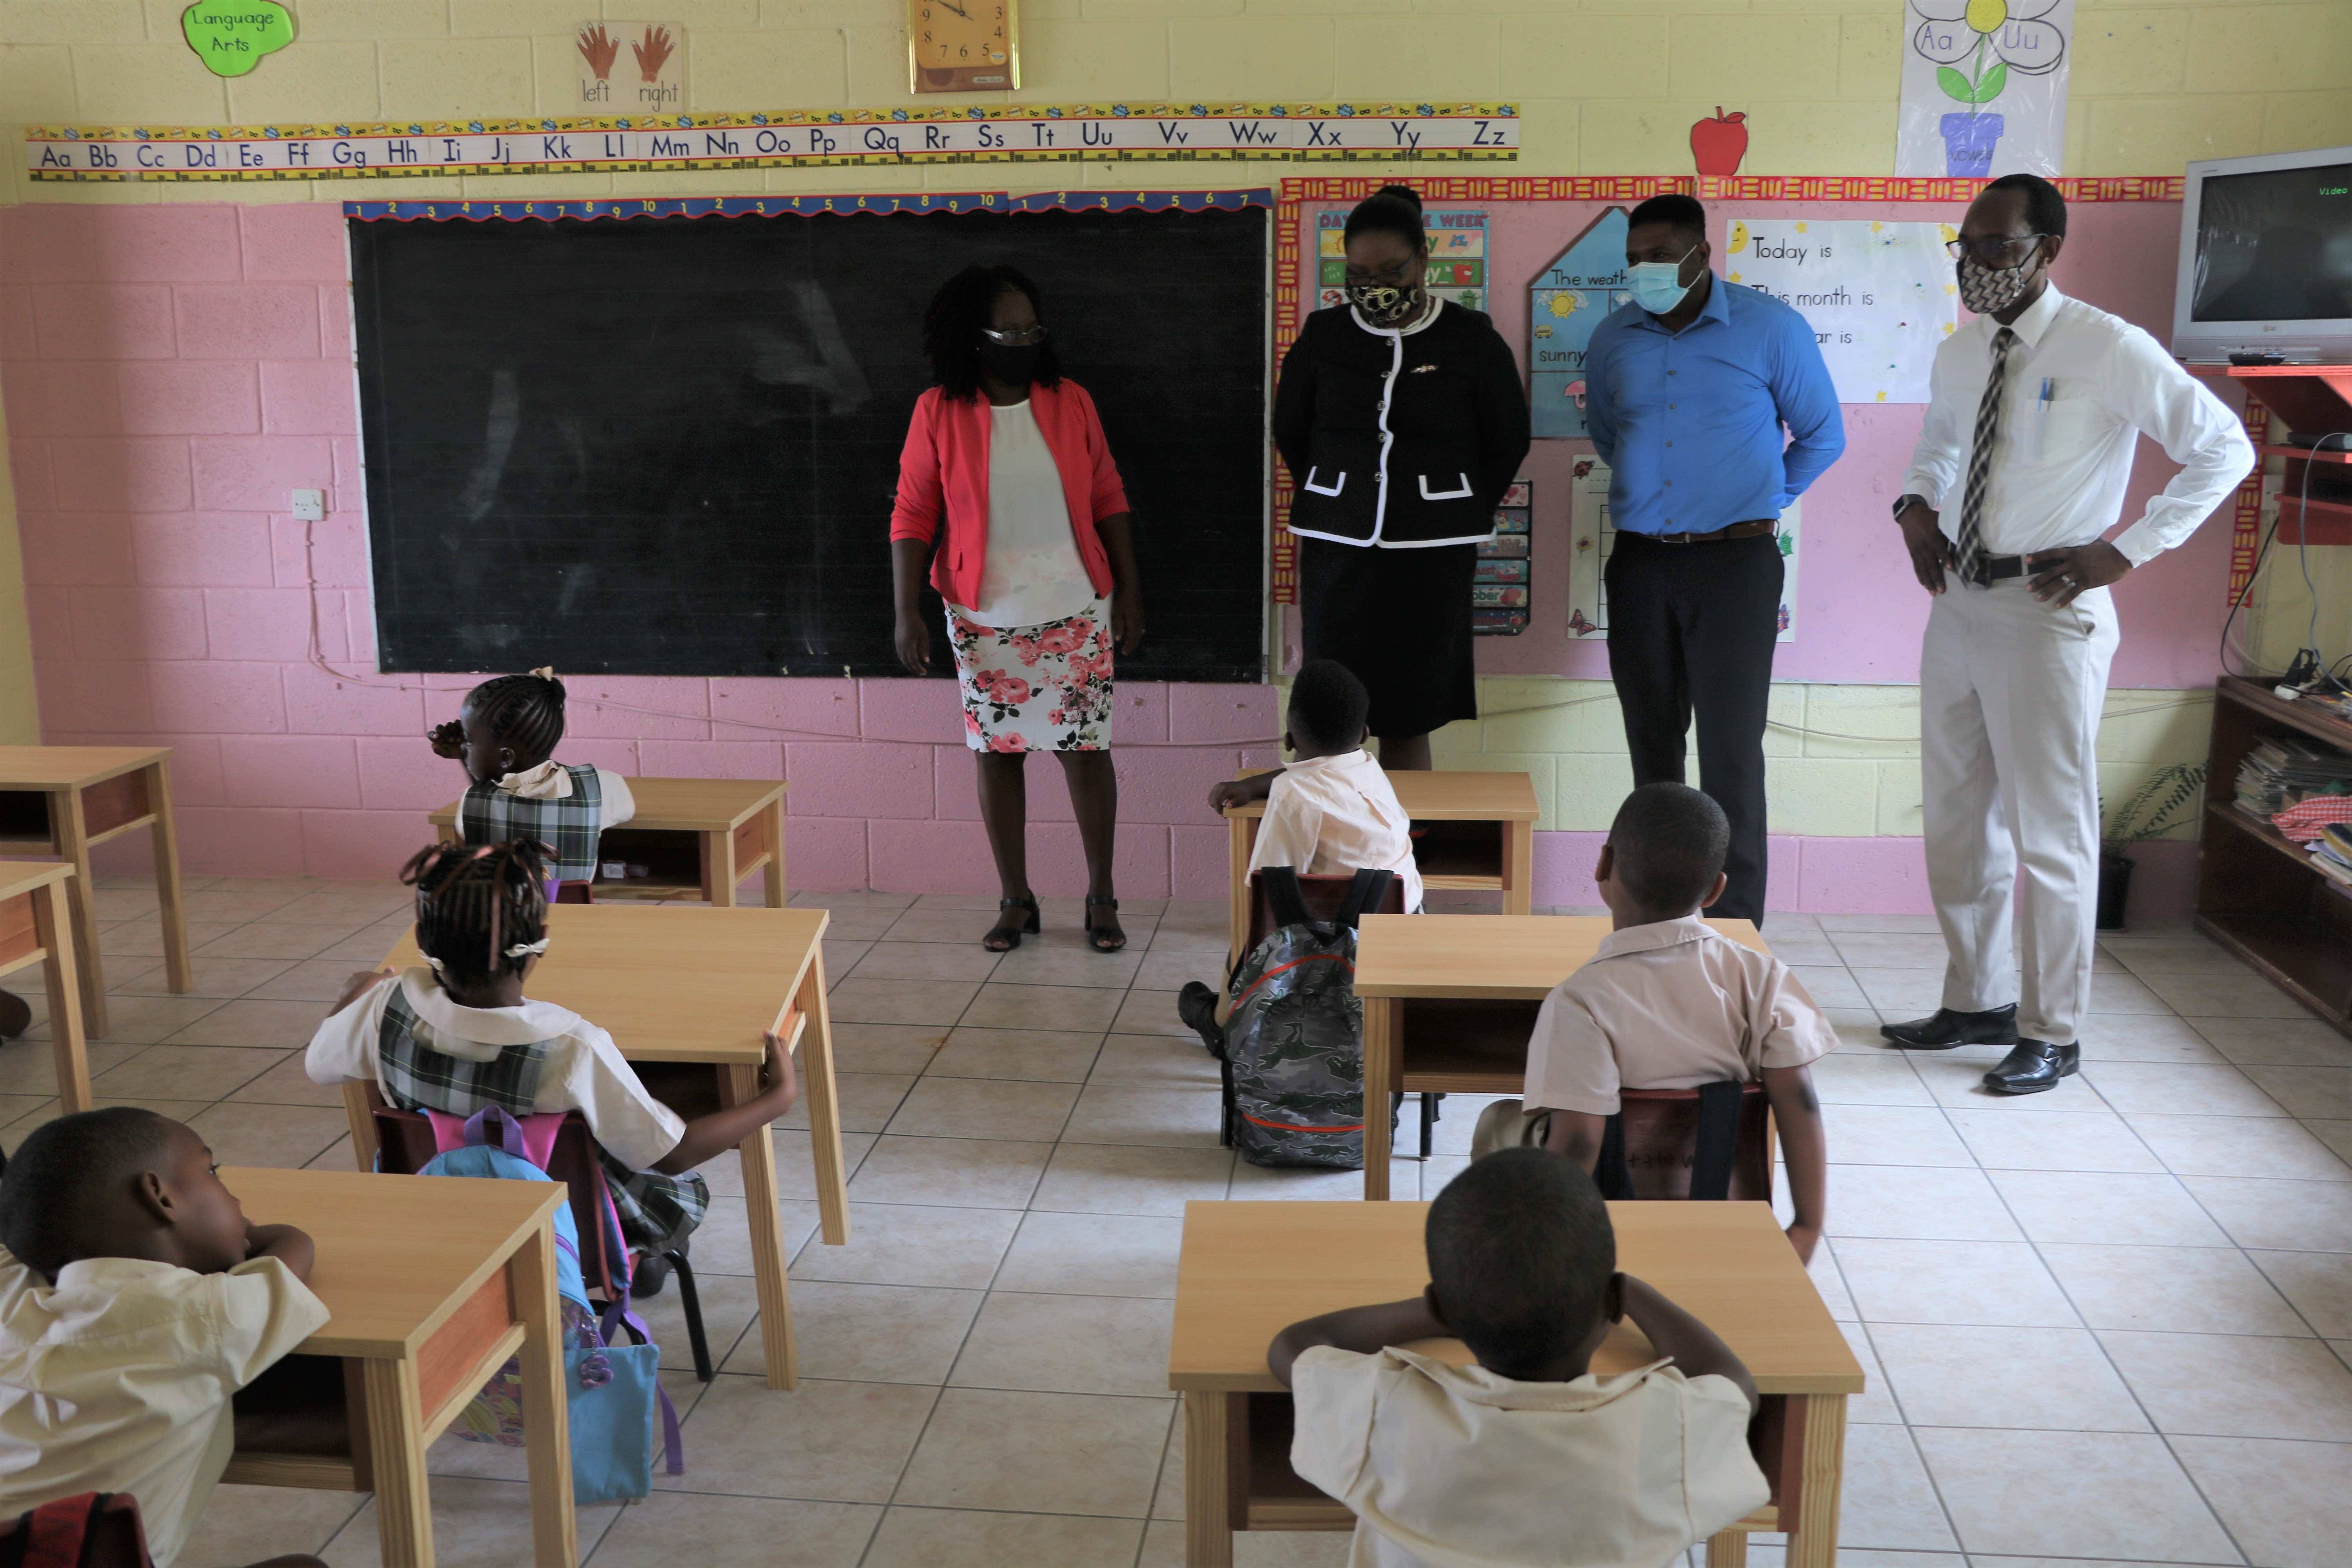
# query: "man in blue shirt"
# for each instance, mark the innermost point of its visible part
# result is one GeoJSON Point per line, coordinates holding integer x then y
{"type": "Point", "coordinates": [1687, 392]}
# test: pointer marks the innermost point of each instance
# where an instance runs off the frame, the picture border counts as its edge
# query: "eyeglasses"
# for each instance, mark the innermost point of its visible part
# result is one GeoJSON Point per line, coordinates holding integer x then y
{"type": "Point", "coordinates": [1990, 248]}
{"type": "Point", "coordinates": [1020, 338]}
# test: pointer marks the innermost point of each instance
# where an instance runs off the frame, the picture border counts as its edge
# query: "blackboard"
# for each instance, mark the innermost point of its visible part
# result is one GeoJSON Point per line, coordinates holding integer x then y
{"type": "Point", "coordinates": [668, 446]}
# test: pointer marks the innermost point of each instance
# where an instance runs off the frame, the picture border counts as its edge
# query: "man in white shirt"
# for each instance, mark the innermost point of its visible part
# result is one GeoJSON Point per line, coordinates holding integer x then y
{"type": "Point", "coordinates": [2034, 409]}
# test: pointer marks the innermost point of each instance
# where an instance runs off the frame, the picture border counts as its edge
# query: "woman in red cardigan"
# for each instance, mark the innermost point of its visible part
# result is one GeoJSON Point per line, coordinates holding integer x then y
{"type": "Point", "coordinates": [1037, 564]}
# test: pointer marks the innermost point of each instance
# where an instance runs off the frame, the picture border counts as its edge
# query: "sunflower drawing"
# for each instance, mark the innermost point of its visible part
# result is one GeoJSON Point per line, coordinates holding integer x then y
{"type": "Point", "coordinates": [1994, 37]}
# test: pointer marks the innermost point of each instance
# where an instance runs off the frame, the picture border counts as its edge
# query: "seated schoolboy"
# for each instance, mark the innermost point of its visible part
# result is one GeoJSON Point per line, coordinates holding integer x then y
{"type": "Point", "coordinates": [1668, 1003]}
{"type": "Point", "coordinates": [506, 735]}
{"type": "Point", "coordinates": [135, 1299]}
{"type": "Point", "coordinates": [1527, 1457]}
{"type": "Point", "coordinates": [459, 1036]}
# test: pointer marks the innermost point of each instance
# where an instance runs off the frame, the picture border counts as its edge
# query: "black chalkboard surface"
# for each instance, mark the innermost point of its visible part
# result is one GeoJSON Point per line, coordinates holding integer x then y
{"type": "Point", "coordinates": [668, 446]}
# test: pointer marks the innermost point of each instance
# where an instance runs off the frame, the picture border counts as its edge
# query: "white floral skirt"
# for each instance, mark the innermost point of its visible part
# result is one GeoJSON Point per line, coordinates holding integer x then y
{"type": "Point", "coordinates": [1036, 688]}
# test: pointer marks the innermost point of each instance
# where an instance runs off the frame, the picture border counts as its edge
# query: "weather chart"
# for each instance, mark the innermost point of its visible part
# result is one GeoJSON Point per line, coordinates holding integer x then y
{"type": "Point", "coordinates": [1566, 301]}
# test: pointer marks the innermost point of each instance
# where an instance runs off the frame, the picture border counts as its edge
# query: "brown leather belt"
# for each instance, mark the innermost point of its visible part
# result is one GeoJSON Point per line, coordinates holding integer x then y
{"type": "Point", "coordinates": [1737, 531]}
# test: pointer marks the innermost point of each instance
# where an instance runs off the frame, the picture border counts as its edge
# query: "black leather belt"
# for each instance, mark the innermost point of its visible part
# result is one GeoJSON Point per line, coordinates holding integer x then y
{"type": "Point", "coordinates": [1999, 566]}
{"type": "Point", "coordinates": [1737, 531]}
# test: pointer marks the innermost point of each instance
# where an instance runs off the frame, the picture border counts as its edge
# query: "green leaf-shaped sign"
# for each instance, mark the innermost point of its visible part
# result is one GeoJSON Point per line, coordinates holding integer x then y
{"type": "Point", "coordinates": [1954, 84]}
{"type": "Point", "coordinates": [231, 36]}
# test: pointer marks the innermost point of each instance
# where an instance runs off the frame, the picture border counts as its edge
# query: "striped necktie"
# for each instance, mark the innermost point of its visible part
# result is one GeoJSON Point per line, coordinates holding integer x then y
{"type": "Point", "coordinates": [1974, 567]}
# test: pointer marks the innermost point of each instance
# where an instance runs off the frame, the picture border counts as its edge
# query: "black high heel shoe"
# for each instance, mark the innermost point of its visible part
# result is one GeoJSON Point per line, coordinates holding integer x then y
{"type": "Point", "coordinates": [1106, 936]}
{"type": "Point", "coordinates": [1011, 934]}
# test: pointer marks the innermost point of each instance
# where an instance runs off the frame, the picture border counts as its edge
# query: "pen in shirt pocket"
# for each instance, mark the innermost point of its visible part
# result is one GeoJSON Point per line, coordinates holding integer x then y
{"type": "Point", "coordinates": [2041, 422]}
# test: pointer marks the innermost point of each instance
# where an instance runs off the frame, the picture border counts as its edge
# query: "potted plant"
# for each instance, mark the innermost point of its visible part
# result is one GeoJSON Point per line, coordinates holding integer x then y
{"type": "Point", "coordinates": [2154, 810]}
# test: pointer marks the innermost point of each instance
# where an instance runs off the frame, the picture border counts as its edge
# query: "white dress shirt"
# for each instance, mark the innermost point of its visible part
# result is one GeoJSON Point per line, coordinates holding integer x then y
{"type": "Point", "coordinates": [118, 1379]}
{"type": "Point", "coordinates": [581, 1070]}
{"type": "Point", "coordinates": [2060, 461]}
{"type": "Point", "coordinates": [1455, 1466]}
{"type": "Point", "coordinates": [1033, 573]}
{"type": "Point", "coordinates": [1669, 1006]}
{"type": "Point", "coordinates": [1331, 816]}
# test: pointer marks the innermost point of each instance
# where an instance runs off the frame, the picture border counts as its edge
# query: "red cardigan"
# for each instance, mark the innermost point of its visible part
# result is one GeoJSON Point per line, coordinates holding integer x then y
{"type": "Point", "coordinates": [944, 469]}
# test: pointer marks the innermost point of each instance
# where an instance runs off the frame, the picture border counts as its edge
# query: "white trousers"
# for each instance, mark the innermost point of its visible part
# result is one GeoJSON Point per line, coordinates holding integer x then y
{"type": "Point", "coordinates": [2010, 691]}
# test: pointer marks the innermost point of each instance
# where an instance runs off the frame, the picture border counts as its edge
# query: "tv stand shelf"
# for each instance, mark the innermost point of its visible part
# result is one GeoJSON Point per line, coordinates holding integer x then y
{"type": "Point", "coordinates": [2257, 894]}
{"type": "Point", "coordinates": [2309, 400]}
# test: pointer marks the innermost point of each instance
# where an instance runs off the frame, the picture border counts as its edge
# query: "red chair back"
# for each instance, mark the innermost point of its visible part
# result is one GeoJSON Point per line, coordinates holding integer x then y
{"type": "Point", "coordinates": [94, 1530]}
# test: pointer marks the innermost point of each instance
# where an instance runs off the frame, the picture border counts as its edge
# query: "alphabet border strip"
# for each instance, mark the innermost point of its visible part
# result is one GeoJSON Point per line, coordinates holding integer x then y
{"type": "Point", "coordinates": [1275, 132]}
{"type": "Point", "coordinates": [807, 206]}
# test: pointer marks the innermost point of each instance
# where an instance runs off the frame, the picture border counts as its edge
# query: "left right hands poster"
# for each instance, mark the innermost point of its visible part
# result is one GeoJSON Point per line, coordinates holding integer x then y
{"type": "Point", "coordinates": [1984, 86]}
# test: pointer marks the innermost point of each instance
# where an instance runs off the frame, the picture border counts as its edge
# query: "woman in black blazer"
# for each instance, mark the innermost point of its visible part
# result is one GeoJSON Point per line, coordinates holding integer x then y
{"type": "Point", "coordinates": [1403, 420]}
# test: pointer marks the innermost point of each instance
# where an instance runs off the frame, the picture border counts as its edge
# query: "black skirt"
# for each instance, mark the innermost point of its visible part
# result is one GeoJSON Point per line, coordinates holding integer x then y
{"type": "Point", "coordinates": [1401, 620]}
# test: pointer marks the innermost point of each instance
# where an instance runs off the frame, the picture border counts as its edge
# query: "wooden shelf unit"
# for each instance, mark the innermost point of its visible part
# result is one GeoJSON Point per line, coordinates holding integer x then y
{"type": "Point", "coordinates": [2312, 400]}
{"type": "Point", "coordinates": [2258, 894]}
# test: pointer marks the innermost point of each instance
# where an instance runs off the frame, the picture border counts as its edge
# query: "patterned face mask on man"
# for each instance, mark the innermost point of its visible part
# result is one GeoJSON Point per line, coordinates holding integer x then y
{"type": "Point", "coordinates": [1987, 289]}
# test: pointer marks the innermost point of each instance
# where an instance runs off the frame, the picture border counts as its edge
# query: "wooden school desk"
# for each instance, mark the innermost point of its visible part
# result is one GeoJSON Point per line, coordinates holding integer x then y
{"type": "Point", "coordinates": [65, 800]}
{"type": "Point", "coordinates": [691, 834]}
{"type": "Point", "coordinates": [36, 927]}
{"type": "Point", "coordinates": [1450, 1000]}
{"type": "Point", "coordinates": [433, 1283]}
{"type": "Point", "coordinates": [681, 983]}
{"type": "Point", "coordinates": [1482, 834]}
{"type": "Point", "coordinates": [1250, 1269]}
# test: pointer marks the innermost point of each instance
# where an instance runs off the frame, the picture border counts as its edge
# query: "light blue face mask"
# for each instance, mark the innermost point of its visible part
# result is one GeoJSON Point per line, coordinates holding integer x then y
{"type": "Point", "coordinates": [1658, 286]}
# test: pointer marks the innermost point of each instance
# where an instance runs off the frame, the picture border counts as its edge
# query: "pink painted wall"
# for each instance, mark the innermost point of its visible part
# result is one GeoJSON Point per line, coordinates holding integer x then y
{"type": "Point", "coordinates": [1859, 613]}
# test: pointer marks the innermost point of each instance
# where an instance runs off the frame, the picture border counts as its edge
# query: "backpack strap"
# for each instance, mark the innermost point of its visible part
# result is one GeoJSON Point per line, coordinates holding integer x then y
{"type": "Point", "coordinates": [57, 1534]}
{"type": "Point", "coordinates": [531, 1138]}
{"type": "Point", "coordinates": [615, 1315]}
{"type": "Point", "coordinates": [1371, 886]}
{"type": "Point", "coordinates": [1609, 1171]}
{"type": "Point", "coordinates": [1720, 1107]}
{"type": "Point", "coordinates": [1282, 895]}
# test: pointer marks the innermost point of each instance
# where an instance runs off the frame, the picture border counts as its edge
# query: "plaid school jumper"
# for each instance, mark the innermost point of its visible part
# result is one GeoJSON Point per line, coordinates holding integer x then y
{"type": "Point", "coordinates": [656, 1211]}
{"type": "Point", "coordinates": [490, 814]}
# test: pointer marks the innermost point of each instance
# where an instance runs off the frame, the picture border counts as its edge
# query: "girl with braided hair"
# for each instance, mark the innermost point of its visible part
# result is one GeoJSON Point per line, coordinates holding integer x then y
{"type": "Point", "coordinates": [506, 735]}
{"type": "Point", "coordinates": [458, 1035]}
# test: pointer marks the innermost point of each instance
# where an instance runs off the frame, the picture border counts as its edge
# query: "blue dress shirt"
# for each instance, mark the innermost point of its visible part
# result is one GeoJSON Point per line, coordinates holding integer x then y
{"type": "Point", "coordinates": [1689, 422]}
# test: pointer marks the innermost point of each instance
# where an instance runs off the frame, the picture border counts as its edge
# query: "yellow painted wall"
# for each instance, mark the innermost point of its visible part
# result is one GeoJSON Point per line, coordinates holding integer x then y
{"type": "Point", "coordinates": [1603, 86]}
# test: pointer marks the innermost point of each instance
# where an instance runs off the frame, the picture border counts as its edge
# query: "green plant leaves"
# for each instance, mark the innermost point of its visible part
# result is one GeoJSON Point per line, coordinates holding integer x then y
{"type": "Point", "coordinates": [232, 36]}
{"type": "Point", "coordinates": [1984, 91]}
{"type": "Point", "coordinates": [1954, 84]}
{"type": "Point", "coordinates": [1994, 81]}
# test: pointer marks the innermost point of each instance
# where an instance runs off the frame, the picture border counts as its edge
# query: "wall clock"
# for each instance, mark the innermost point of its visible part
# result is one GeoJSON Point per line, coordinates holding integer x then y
{"type": "Point", "coordinates": [962, 46]}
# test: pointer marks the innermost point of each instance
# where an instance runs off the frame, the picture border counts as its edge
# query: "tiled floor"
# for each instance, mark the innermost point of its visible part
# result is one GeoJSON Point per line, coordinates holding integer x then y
{"type": "Point", "coordinates": [2109, 1323]}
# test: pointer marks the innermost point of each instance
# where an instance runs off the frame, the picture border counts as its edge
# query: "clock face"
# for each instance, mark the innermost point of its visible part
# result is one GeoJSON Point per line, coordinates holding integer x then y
{"type": "Point", "coordinates": [962, 46]}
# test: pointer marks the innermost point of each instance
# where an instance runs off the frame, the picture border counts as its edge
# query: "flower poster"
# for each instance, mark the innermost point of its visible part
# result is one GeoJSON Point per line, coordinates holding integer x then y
{"type": "Point", "coordinates": [1879, 296]}
{"type": "Point", "coordinates": [1984, 86]}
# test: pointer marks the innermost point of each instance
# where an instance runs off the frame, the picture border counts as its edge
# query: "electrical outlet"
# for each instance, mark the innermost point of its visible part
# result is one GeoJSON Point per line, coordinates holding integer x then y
{"type": "Point", "coordinates": [310, 505]}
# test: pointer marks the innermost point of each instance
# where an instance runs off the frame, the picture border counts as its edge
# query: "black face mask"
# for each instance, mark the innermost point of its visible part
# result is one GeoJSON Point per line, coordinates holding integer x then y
{"type": "Point", "coordinates": [1015, 364]}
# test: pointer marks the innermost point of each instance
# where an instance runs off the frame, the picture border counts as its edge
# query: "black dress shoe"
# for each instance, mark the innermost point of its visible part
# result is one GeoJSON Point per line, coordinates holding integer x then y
{"type": "Point", "coordinates": [1197, 1005]}
{"type": "Point", "coordinates": [2034, 1068]}
{"type": "Point", "coordinates": [1995, 1026]}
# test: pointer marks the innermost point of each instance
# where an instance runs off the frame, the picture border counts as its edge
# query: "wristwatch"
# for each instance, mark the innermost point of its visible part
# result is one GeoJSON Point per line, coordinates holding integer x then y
{"type": "Point", "coordinates": [1906, 500]}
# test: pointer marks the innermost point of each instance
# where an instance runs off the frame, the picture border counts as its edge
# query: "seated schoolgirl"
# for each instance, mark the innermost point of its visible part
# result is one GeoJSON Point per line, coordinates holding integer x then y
{"type": "Point", "coordinates": [506, 735]}
{"type": "Point", "coordinates": [459, 1036]}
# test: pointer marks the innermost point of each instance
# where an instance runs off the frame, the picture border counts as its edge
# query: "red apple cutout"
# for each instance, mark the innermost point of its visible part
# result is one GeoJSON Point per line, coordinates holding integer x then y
{"type": "Point", "coordinates": [1719, 143]}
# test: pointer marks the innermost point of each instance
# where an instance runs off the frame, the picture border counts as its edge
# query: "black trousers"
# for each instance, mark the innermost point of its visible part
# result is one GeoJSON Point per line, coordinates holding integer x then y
{"type": "Point", "coordinates": [1692, 629]}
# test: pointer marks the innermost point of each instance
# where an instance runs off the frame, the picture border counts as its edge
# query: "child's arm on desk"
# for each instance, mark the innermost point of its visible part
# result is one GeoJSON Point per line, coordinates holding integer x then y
{"type": "Point", "coordinates": [1698, 1350]}
{"type": "Point", "coordinates": [706, 1137]}
{"type": "Point", "coordinates": [1797, 1112]}
{"type": "Point", "coordinates": [1241, 792]}
{"type": "Point", "coordinates": [1359, 1329]}
{"type": "Point", "coordinates": [291, 1246]}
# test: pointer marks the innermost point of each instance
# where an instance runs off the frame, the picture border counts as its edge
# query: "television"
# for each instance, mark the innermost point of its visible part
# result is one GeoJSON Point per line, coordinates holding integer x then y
{"type": "Point", "coordinates": [2266, 258]}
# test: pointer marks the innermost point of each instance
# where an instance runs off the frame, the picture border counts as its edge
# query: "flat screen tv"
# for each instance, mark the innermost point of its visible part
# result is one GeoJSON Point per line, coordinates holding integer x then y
{"type": "Point", "coordinates": [2266, 258]}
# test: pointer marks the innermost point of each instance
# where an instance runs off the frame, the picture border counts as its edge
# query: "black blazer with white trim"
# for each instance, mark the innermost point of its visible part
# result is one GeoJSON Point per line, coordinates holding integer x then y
{"type": "Point", "coordinates": [1399, 439]}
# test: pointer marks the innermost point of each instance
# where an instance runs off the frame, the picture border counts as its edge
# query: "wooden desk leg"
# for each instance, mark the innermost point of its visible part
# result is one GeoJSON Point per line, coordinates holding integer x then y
{"type": "Point", "coordinates": [1812, 1542]}
{"type": "Point", "coordinates": [170, 906]}
{"type": "Point", "coordinates": [1239, 840]}
{"type": "Point", "coordinates": [1383, 1021]}
{"type": "Point", "coordinates": [765, 1216]}
{"type": "Point", "coordinates": [531, 1275]}
{"type": "Point", "coordinates": [719, 869]}
{"type": "Point", "coordinates": [72, 832]}
{"type": "Point", "coordinates": [1208, 1502]}
{"type": "Point", "coordinates": [53, 929]}
{"type": "Point", "coordinates": [776, 893]}
{"type": "Point", "coordinates": [359, 1114]}
{"type": "Point", "coordinates": [824, 1093]}
{"type": "Point", "coordinates": [1518, 868]}
{"type": "Point", "coordinates": [403, 1509]}
{"type": "Point", "coordinates": [1727, 1550]}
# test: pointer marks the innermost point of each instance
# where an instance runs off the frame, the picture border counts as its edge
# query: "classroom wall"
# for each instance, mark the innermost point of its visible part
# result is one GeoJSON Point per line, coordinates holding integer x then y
{"type": "Point", "coordinates": [176, 357]}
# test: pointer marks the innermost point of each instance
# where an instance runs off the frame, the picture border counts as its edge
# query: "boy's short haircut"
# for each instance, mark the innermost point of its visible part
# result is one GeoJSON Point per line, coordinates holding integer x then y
{"type": "Point", "coordinates": [1329, 706]}
{"type": "Point", "coordinates": [64, 1164]}
{"type": "Point", "coordinates": [1521, 1253]}
{"type": "Point", "coordinates": [1669, 841]}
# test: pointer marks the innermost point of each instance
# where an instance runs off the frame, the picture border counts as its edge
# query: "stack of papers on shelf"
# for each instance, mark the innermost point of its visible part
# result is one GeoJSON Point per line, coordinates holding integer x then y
{"type": "Point", "coordinates": [2332, 851]}
{"type": "Point", "coordinates": [2285, 769]}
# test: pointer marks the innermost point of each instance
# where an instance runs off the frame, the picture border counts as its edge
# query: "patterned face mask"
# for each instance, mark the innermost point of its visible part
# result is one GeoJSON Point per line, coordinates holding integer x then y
{"type": "Point", "coordinates": [1986, 289]}
{"type": "Point", "coordinates": [1382, 305]}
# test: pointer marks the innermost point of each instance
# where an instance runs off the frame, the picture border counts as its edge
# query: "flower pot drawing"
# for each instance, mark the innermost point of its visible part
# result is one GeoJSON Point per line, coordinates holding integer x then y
{"type": "Point", "coordinates": [1968, 141]}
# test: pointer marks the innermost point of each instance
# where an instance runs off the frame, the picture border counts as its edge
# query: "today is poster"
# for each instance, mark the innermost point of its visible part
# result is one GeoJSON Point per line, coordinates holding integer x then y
{"type": "Point", "coordinates": [1984, 86]}
{"type": "Point", "coordinates": [1880, 297]}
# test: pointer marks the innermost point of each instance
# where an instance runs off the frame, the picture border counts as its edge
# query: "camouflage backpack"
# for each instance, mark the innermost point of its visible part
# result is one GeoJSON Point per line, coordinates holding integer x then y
{"type": "Point", "coordinates": [1294, 1034]}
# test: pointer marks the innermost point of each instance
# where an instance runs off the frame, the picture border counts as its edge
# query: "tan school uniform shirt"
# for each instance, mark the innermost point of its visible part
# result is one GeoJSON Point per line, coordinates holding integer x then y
{"type": "Point", "coordinates": [1453, 1467]}
{"type": "Point", "coordinates": [1669, 1006]}
{"type": "Point", "coordinates": [1331, 816]}
{"type": "Point", "coordinates": [118, 1378]}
